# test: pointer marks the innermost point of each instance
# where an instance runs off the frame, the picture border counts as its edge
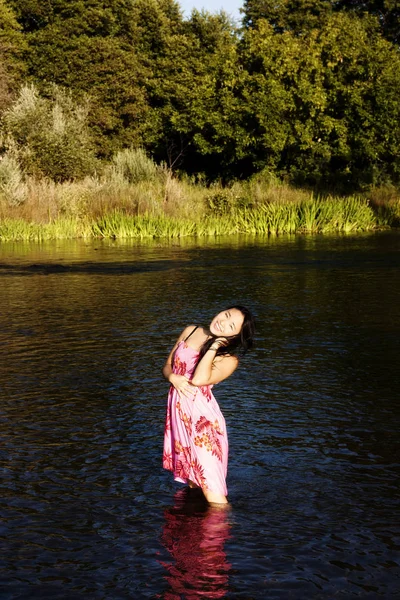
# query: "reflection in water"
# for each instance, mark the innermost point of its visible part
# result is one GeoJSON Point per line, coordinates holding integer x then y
{"type": "Point", "coordinates": [195, 535]}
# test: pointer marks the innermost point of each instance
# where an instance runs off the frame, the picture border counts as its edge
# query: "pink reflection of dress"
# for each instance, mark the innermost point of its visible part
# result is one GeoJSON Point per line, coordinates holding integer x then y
{"type": "Point", "coordinates": [196, 541]}
{"type": "Point", "coordinates": [195, 438]}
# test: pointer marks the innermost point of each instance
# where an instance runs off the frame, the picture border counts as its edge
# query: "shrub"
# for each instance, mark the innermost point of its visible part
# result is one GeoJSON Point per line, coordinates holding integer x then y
{"type": "Point", "coordinates": [50, 136]}
{"type": "Point", "coordinates": [12, 186]}
{"type": "Point", "coordinates": [135, 166]}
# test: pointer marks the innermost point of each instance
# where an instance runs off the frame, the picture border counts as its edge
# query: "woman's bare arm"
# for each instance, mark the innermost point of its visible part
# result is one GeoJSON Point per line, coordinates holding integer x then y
{"type": "Point", "coordinates": [212, 369]}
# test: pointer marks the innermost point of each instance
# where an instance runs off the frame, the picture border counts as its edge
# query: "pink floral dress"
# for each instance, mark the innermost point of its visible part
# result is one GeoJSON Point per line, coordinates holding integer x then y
{"type": "Point", "coordinates": [195, 438]}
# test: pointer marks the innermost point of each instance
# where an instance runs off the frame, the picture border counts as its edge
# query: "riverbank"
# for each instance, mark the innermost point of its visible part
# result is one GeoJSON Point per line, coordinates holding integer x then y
{"type": "Point", "coordinates": [143, 200]}
{"type": "Point", "coordinates": [344, 216]}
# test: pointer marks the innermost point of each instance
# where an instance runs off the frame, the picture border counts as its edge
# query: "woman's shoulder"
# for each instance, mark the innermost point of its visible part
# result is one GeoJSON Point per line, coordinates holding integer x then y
{"type": "Point", "coordinates": [230, 359]}
{"type": "Point", "coordinates": [187, 331]}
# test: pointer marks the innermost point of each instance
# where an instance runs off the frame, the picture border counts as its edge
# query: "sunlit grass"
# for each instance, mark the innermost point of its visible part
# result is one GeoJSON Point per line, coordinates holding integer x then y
{"type": "Point", "coordinates": [12, 230]}
{"type": "Point", "coordinates": [335, 214]}
{"type": "Point", "coordinates": [119, 226]}
{"type": "Point", "coordinates": [270, 219]}
{"type": "Point", "coordinates": [131, 197]}
{"type": "Point", "coordinates": [141, 207]}
{"type": "Point", "coordinates": [312, 216]}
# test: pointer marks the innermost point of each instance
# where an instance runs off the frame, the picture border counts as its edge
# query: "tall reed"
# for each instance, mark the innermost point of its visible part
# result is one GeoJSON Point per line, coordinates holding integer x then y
{"type": "Point", "coordinates": [12, 230]}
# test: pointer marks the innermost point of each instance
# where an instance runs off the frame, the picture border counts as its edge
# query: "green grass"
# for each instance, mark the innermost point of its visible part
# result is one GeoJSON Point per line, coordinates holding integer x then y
{"type": "Point", "coordinates": [119, 225]}
{"type": "Point", "coordinates": [12, 230]}
{"type": "Point", "coordinates": [315, 215]}
{"type": "Point", "coordinates": [131, 197]}
{"type": "Point", "coordinates": [342, 215]}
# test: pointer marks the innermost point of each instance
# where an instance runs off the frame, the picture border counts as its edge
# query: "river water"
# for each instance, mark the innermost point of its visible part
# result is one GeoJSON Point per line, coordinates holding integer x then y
{"type": "Point", "coordinates": [312, 414]}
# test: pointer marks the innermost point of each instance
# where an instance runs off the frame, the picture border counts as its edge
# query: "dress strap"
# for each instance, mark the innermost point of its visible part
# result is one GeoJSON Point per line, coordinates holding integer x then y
{"type": "Point", "coordinates": [186, 338]}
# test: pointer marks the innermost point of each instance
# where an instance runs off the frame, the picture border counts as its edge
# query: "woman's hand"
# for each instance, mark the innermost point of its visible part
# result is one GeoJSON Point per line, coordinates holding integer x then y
{"type": "Point", "coordinates": [218, 342]}
{"type": "Point", "coordinates": [182, 385]}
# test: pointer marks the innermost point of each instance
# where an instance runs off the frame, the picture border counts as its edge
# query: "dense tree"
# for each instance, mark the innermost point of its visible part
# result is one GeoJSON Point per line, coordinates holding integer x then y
{"type": "Point", "coordinates": [362, 80]}
{"type": "Point", "coordinates": [104, 68]}
{"type": "Point", "coordinates": [93, 17]}
{"type": "Point", "coordinates": [193, 95]}
{"type": "Point", "coordinates": [338, 89]}
{"type": "Point", "coordinates": [307, 89]}
{"type": "Point", "coordinates": [32, 14]}
{"type": "Point", "coordinates": [287, 15]}
{"type": "Point", "coordinates": [285, 98]}
{"type": "Point", "coordinates": [11, 45]}
{"type": "Point", "coordinates": [386, 11]}
{"type": "Point", "coordinates": [300, 16]}
{"type": "Point", "coordinates": [84, 46]}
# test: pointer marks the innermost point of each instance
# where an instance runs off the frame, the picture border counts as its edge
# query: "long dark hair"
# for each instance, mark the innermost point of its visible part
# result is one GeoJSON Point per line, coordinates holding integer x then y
{"type": "Point", "coordinates": [237, 344]}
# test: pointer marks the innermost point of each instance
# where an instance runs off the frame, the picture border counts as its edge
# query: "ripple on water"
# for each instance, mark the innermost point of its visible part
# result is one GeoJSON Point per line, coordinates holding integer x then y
{"type": "Point", "coordinates": [313, 417]}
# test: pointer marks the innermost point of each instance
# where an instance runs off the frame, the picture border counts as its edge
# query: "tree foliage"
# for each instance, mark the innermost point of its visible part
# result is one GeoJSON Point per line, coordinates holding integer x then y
{"type": "Point", "coordinates": [286, 15]}
{"type": "Point", "coordinates": [195, 105]}
{"type": "Point", "coordinates": [12, 43]}
{"type": "Point", "coordinates": [300, 16]}
{"type": "Point", "coordinates": [85, 47]}
{"type": "Point", "coordinates": [387, 13]}
{"type": "Point", "coordinates": [49, 136]}
{"type": "Point", "coordinates": [340, 117]}
{"type": "Point", "coordinates": [309, 90]}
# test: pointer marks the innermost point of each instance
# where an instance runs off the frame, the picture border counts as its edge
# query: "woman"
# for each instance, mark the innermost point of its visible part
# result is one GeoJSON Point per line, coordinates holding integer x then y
{"type": "Point", "coordinates": [195, 440]}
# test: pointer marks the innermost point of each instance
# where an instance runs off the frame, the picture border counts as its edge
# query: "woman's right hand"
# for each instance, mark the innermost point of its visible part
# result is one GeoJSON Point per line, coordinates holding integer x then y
{"type": "Point", "coordinates": [219, 341]}
{"type": "Point", "coordinates": [182, 385]}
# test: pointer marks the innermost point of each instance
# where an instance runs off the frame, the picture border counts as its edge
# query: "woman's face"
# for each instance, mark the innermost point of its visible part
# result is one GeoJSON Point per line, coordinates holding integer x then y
{"type": "Point", "coordinates": [227, 323]}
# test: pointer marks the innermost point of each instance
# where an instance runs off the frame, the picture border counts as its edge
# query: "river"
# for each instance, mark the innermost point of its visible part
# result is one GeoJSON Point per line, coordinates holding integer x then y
{"type": "Point", "coordinates": [313, 420]}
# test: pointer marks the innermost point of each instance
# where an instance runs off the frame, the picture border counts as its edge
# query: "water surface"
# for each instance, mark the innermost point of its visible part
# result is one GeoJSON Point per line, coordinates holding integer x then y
{"type": "Point", "coordinates": [312, 414]}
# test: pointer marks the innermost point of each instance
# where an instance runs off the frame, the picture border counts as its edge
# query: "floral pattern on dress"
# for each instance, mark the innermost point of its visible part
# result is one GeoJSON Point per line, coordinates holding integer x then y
{"type": "Point", "coordinates": [183, 464]}
{"type": "Point", "coordinates": [167, 460]}
{"type": "Point", "coordinates": [199, 478]}
{"type": "Point", "coordinates": [187, 421]}
{"type": "Point", "coordinates": [209, 439]}
{"type": "Point", "coordinates": [179, 366]}
{"type": "Point", "coordinates": [206, 391]}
